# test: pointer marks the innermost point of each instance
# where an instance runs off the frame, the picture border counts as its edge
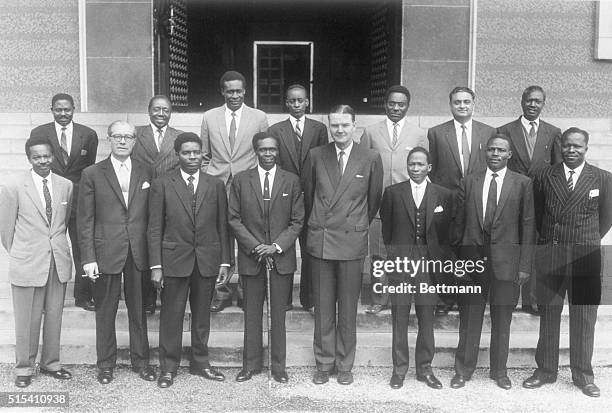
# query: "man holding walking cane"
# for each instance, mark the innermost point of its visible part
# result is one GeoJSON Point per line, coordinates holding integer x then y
{"type": "Point", "coordinates": [266, 213]}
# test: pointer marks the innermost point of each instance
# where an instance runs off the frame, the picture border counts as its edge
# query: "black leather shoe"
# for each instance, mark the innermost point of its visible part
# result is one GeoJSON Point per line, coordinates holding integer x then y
{"type": "Point", "coordinates": [345, 377]}
{"type": "Point", "coordinates": [23, 381]}
{"type": "Point", "coordinates": [280, 376]}
{"type": "Point", "coordinates": [441, 310]}
{"type": "Point", "coordinates": [503, 382]}
{"type": "Point", "coordinates": [209, 373]}
{"type": "Point", "coordinates": [150, 309]}
{"type": "Point", "coordinates": [396, 381]}
{"type": "Point", "coordinates": [320, 377]}
{"type": "Point", "coordinates": [146, 373]}
{"type": "Point", "coordinates": [529, 309]}
{"type": "Point", "coordinates": [60, 374]}
{"type": "Point", "coordinates": [591, 390]}
{"type": "Point", "coordinates": [375, 309]}
{"type": "Point", "coordinates": [105, 376]}
{"type": "Point", "coordinates": [165, 380]}
{"type": "Point", "coordinates": [535, 381]}
{"type": "Point", "coordinates": [219, 305]}
{"type": "Point", "coordinates": [245, 375]}
{"type": "Point", "coordinates": [431, 381]}
{"type": "Point", "coordinates": [458, 381]}
{"type": "Point", "coordinates": [87, 305]}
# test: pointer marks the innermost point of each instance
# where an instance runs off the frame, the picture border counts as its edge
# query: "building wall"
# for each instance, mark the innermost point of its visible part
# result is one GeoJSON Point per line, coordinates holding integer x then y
{"type": "Point", "coordinates": [39, 53]}
{"type": "Point", "coordinates": [549, 43]}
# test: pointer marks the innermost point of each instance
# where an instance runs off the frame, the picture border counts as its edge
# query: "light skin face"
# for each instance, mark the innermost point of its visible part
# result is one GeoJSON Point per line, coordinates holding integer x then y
{"type": "Point", "coordinates": [62, 111]}
{"type": "Point", "coordinates": [160, 112]}
{"type": "Point", "coordinates": [267, 152]}
{"type": "Point", "coordinates": [233, 92]}
{"type": "Point", "coordinates": [418, 167]}
{"type": "Point", "coordinates": [533, 104]}
{"type": "Point", "coordinates": [573, 150]}
{"type": "Point", "coordinates": [296, 102]}
{"type": "Point", "coordinates": [462, 106]}
{"type": "Point", "coordinates": [396, 106]}
{"type": "Point", "coordinates": [342, 127]}
{"type": "Point", "coordinates": [190, 157]}
{"type": "Point", "coordinates": [40, 158]}
{"type": "Point", "coordinates": [122, 139]}
{"type": "Point", "coordinates": [498, 152]}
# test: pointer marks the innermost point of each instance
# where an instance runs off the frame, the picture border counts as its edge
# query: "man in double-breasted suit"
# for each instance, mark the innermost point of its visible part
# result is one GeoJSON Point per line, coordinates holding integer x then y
{"type": "Point", "coordinates": [112, 224]}
{"type": "Point", "coordinates": [535, 145]}
{"type": "Point", "coordinates": [266, 210]}
{"type": "Point", "coordinates": [496, 229]}
{"type": "Point", "coordinates": [393, 138]}
{"type": "Point", "coordinates": [226, 144]}
{"type": "Point", "coordinates": [457, 148]}
{"type": "Point", "coordinates": [343, 190]}
{"type": "Point", "coordinates": [155, 147]}
{"type": "Point", "coordinates": [188, 250]}
{"type": "Point", "coordinates": [34, 215]}
{"type": "Point", "coordinates": [297, 136]}
{"type": "Point", "coordinates": [416, 224]}
{"type": "Point", "coordinates": [573, 213]}
{"type": "Point", "coordinates": [75, 147]}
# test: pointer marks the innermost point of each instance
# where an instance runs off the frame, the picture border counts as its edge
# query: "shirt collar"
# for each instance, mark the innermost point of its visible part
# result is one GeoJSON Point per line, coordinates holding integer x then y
{"type": "Point", "coordinates": [400, 122]}
{"type": "Point", "coordinates": [228, 111]}
{"type": "Point", "coordinates": [262, 171]}
{"type": "Point", "coordinates": [38, 178]}
{"type": "Point", "coordinates": [155, 128]}
{"type": "Point", "coordinates": [117, 164]}
{"type": "Point", "coordinates": [468, 124]}
{"type": "Point", "coordinates": [185, 175]}
{"type": "Point", "coordinates": [347, 151]}
{"type": "Point", "coordinates": [577, 170]}
{"type": "Point", "coordinates": [526, 122]}
{"type": "Point", "coordinates": [59, 127]}
{"type": "Point", "coordinates": [414, 185]}
{"type": "Point", "coordinates": [500, 174]}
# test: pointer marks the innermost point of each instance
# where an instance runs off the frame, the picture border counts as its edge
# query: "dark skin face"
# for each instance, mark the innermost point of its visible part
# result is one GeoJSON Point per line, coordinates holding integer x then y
{"type": "Point", "coordinates": [396, 106]}
{"type": "Point", "coordinates": [532, 105]}
{"type": "Point", "coordinates": [296, 102]}
{"type": "Point", "coordinates": [62, 111]}
{"type": "Point", "coordinates": [190, 157]}
{"type": "Point", "coordinates": [498, 152]}
{"type": "Point", "coordinates": [418, 167]}
{"type": "Point", "coordinates": [573, 150]}
{"type": "Point", "coordinates": [267, 152]}
{"type": "Point", "coordinates": [40, 158]}
{"type": "Point", "coordinates": [233, 92]}
{"type": "Point", "coordinates": [160, 112]}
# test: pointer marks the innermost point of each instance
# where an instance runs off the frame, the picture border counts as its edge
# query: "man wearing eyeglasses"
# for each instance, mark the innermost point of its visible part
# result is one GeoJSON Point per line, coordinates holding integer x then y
{"type": "Point", "coordinates": [112, 226]}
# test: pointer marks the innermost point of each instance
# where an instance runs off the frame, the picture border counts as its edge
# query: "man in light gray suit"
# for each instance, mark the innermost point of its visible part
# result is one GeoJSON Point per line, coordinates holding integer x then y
{"type": "Point", "coordinates": [226, 135]}
{"type": "Point", "coordinates": [393, 138]}
{"type": "Point", "coordinates": [34, 216]}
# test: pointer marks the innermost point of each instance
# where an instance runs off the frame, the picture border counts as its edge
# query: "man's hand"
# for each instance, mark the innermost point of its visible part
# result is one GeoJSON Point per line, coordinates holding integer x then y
{"type": "Point", "coordinates": [223, 274]}
{"type": "Point", "coordinates": [522, 277]}
{"type": "Point", "coordinates": [91, 271]}
{"type": "Point", "coordinates": [157, 278]}
{"type": "Point", "coordinates": [263, 250]}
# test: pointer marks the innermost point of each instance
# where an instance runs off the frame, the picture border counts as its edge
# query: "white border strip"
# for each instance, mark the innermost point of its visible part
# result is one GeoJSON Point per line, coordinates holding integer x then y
{"type": "Point", "coordinates": [472, 46]}
{"type": "Point", "coordinates": [83, 55]}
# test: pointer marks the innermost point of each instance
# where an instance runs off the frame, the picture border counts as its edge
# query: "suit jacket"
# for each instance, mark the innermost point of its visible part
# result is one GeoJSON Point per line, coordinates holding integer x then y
{"type": "Point", "coordinates": [445, 156]}
{"type": "Point", "coordinates": [314, 134]}
{"type": "Point", "coordinates": [145, 150]}
{"type": "Point", "coordinates": [571, 224]}
{"type": "Point", "coordinates": [106, 227]}
{"type": "Point", "coordinates": [340, 208]}
{"type": "Point", "coordinates": [247, 219]}
{"type": "Point", "coordinates": [393, 157]}
{"type": "Point", "coordinates": [27, 235]}
{"type": "Point", "coordinates": [512, 237]}
{"type": "Point", "coordinates": [219, 161]}
{"type": "Point", "coordinates": [547, 149]}
{"type": "Point", "coordinates": [177, 238]}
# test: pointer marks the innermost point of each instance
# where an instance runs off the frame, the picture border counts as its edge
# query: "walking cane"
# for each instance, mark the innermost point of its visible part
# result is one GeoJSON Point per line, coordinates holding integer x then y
{"type": "Point", "coordinates": [269, 268]}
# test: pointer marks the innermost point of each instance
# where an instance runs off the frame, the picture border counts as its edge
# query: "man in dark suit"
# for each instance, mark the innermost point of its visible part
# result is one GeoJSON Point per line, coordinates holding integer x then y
{"type": "Point", "coordinates": [112, 224]}
{"type": "Point", "coordinates": [266, 210]}
{"type": "Point", "coordinates": [188, 249]}
{"type": "Point", "coordinates": [393, 138]}
{"type": "Point", "coordinates": [573, 213]}
{"type": "Point", "coordinates": [155, 147]}
{"type": "Point", "coordinates": [75, 147]}
{"type": "Point", "coordinates": [457, 148]}
{"type": "Point", "coordinates": [298, 135]}
{"type": "Point", "coordinates": [416, 221]}
{"type": "Point", "coordinates": [343, 190]}
{"type": "Point", "coordinates": [535, 145]}
{"type": "Point", "coordinates": [496, 228]}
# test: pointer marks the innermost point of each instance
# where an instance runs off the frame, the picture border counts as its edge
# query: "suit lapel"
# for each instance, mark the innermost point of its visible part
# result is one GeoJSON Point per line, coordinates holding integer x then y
{"type": "Point", "coordinates": [475, 146]}
{"type": "Point", "coordinates": [75, 146]}
{"type": "Point", "coordinates": [451, 139]}
{"type": "Point", "coordinates": [409, 203]}
{"type": "Point", "coordinates": [56, 146]}
{"type": "Point", "coordinates": [384, 132]}
{"type": "Point", "coordinates": [247, 119]}
{"type": "Point", "coordinates": [559, 184]}
{"type": "Point", "coordinates": [135, 175]}
{"type": "Point", "coordinates": [111, 177]}
{"type": "Point", "coordinates": [477, 188]}
{"type": "Point", "coordinates": [506, 189]}
{"type": "Point", "coordinates": [279, 179]}
{"type": "Point", "coordinates": [200, 193]}
{"type": "Point", "coordinates": [288, 133]}
{"type": "Point", "coordinates": [331, 165]}
{"type": "Point", "coordinates": [430, 200]}
{"type": "Point", "coordinates": [517, 135]}
{"type": "Point", "coordinates": [56, 201]}
{"type": "Point", "coordinates": [180, 187]}
{"type": "Point", "coordinates": [167, 145]}
{"type": "Point", "coordinates": [223, 132]}
{"type": "Point", "coordinates": [33, 194]}
{"type": "Point", "coordinates": [256, 187]}
{"type": "Point", "coordinates": [539, 149]}
{"type": "Point", "coordinates": [581, 188]}
{"type": "Point", "coordinates": [148, 141]}
{"type": "Point", "coordinates": [307, 136]}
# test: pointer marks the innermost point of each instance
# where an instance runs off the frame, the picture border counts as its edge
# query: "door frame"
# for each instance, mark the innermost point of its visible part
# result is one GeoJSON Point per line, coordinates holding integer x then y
{"type": "Point", "coordinates": [289, 43]}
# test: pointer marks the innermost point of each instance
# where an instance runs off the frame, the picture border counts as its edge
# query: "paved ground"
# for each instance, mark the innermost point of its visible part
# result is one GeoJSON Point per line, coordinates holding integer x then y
{"type": "Point", "coordinates": [369, 393]}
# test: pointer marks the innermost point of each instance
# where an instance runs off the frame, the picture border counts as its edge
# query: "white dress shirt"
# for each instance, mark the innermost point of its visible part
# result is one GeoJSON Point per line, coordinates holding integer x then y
{"type": "Point", "coordinates": [400, 125]}
{"type": "Point", "coordinates": [117, 166]}
{"type": "Point", "coordinates": [577, 172]}
{"type": "Point", "coordinates": [293, 121]}
{"type": "Point", "coordinates": [347, 153]}
{"type": "Point", "coordinates": [262, 177]}
{"type": "Point", "coordinates": [38, 183]}
{"type": "Point", "coordinates": [527, 126]}
{"type": "Point", "coordinates": [418, 191]}
{"type": "Point", "coordinates": [196, 179]}
{"type": "Point", "coordinates": [69, 129]}
{"type": "Point", "coordinates": [458, 134]}
{"type": "Point", "coordinates": [501, 174]}
{"type": "Point", "coordinates": [155, 133]}
{"type": "Point", "coordinates": [228, 118]}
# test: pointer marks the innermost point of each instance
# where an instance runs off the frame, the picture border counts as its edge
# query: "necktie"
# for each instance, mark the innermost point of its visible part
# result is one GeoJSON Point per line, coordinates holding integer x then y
{"type": "Point", "coordinates": [266, 199]}
{"type": "Point", "coordinates": [298, 140]}
{"type": "Point", "coordinates": [570, 180]}
{"type": "Point", "coordinates": [394, 142]}
{"type": "Point", "coordinates": [160, 137]}
{"type": "Point", "coordinates": [491, 204]}
{"type": "Point", "coordinates": [64, 145]}
{"type": "Point", "coordinates": [47, 196]}
{"type": "Point", "coordinates": [465, 150]}
{"type": "Point", "coordinates": [298, 131]}
{"type": "Point", "coordinates": [341, 162]}
{"type": "Point", "coordinates": [232, 131]}
{"type": "Point", "coordinates": [124, 181]}
{"type": "Point", "coordinates": [531, 138]}
{"type": "Point", "coordinates": [193, 194]}
{"type": "Point", "coordinates": [418, 197]}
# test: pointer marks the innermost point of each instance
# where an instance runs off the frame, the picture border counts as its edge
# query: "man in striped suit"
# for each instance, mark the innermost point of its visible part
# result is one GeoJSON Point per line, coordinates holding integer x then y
{"type": "Point", "coordinates": [573, 212]}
